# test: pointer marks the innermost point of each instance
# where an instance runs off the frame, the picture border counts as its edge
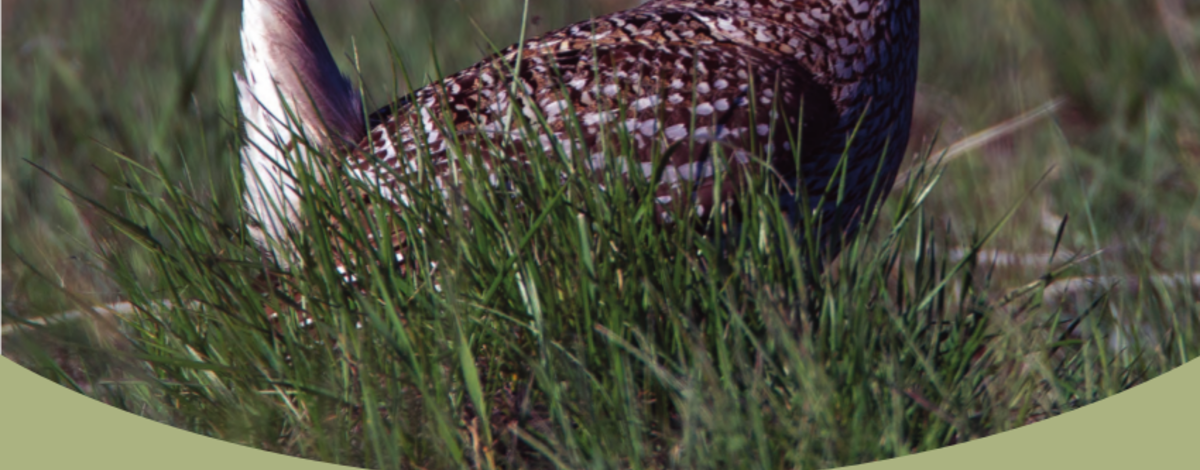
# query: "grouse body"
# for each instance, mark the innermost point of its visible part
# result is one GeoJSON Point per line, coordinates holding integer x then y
{"type": "Point", "coordinates": [742, 81]}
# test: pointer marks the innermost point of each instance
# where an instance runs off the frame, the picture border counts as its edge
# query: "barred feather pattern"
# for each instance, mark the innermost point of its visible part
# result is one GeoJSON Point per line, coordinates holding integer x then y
{"type": "Point", "coordinates": [749, 76]}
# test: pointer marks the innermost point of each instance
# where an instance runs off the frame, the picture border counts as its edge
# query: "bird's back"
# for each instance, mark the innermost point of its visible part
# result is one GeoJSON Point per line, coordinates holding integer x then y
{"type": "Point", "coordinates": [705, 84]}
{"type": "Point", "coordinates": [681, 77]}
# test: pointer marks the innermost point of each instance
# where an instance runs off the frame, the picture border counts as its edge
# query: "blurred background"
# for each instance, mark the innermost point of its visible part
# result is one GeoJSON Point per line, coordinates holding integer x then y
{"type": "Point", "coordinates": [1103, 95]}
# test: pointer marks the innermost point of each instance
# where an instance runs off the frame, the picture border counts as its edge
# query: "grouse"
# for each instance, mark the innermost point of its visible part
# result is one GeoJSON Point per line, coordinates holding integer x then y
{"type": "Point", "coordinates": [820, 90]}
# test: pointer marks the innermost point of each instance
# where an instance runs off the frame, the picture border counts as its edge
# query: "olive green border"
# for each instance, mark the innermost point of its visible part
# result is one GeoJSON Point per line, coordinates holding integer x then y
{"type": "Point", "coordinates": [44, 425]}
{"type": "Point", "coordinates": [1153, 426]}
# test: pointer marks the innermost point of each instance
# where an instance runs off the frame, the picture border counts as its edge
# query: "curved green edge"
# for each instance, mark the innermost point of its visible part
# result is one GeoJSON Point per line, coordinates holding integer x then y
{"type": "Point", "coordinates": [1152, 426]}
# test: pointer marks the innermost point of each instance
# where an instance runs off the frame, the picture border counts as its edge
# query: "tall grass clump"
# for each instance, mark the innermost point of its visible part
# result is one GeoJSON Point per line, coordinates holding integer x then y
{"type": "Point", "coordinates": [543, 316]}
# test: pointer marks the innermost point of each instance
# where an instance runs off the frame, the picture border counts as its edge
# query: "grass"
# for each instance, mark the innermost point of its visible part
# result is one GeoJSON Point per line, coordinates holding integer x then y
{"type": "Point", "coordinates": [573, 331]}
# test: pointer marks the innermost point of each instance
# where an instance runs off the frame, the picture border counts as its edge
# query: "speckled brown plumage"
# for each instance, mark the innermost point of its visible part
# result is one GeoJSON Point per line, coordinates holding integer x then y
{"type": "Point", "coordinates": [691, 76]}
{"type": "Point", "coordinates": [734, 73]}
